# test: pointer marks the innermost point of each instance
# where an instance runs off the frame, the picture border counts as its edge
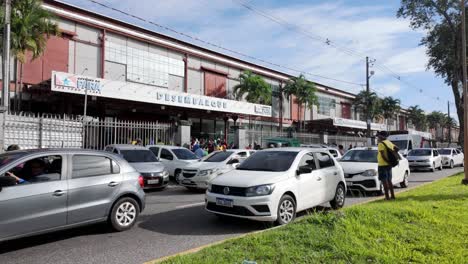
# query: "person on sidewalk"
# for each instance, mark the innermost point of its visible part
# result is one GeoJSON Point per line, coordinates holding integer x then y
{"type": "Point", "coordinates": [384, 167]}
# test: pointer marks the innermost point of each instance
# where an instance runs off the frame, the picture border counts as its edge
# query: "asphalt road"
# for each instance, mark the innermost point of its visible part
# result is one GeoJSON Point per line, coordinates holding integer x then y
{"type": "Point", "coordinates": [174, 220]}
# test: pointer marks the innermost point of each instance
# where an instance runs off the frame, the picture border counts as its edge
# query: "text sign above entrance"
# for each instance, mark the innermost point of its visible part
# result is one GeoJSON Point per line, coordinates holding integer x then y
{"type": "Point", "coordinates": [72, 83]}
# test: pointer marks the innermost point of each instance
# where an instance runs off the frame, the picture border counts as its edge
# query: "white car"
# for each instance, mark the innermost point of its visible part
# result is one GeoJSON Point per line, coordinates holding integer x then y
{"type": "Point", "coordinates": [334, 151]}
{"type": "Point", "coordinates": [197, 175]}
{"type": "Point", "coordinates": [274, 184]}
{"type": "Point", "coordinates": [424, 158]}
{"type": "Point", "coordinates": [174, 158]}
{"type": "Point", "coordinates": [361, 170]}
{"type": "Point", "coordinates": [452, 157]}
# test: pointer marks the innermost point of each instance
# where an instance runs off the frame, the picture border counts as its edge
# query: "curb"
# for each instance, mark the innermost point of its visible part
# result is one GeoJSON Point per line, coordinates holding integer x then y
{"type": "Point", "coordinates": [194, 250]}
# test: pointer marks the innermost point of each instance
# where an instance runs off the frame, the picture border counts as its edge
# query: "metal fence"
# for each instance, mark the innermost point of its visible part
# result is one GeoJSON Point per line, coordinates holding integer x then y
{"type": "Point", "coordinates": [347, 140]}
{"type": "Point", "coordinates": [30, 131]}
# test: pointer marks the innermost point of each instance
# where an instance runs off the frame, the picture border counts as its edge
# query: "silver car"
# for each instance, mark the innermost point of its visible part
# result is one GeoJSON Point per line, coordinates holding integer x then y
{"type": "Point", "coordinates": [48, 190]}
{"type": "Point", "coordinates": [144, 161]}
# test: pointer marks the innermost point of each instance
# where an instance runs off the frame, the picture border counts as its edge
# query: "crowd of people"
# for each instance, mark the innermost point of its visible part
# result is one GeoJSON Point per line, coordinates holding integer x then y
{"type": "Point", "coordinates": [203, 147]}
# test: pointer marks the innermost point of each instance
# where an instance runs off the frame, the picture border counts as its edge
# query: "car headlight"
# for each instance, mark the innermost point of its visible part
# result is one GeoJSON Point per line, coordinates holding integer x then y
{"type": "Point", "coordinates": [206, 172]}
{"type": "Point", "coordinates": [260, 190]}
{"type": "Point", "coordinates": [164, 174]}
{"type": "Point", "coordinates": [369, 173]}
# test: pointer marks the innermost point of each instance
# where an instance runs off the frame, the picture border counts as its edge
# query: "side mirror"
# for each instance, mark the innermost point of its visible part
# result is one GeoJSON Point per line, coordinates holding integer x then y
{"type": "Point", "coordinates": [304, 170]}
{"type": "Point", "coordinates": [233, 161]}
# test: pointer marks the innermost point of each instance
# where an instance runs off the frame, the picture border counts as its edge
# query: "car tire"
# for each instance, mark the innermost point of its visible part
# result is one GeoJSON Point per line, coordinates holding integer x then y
{"type": "Point", "coordinates": [451, 164]}
{"type": "Point", "coordinates": [286, 212]}
{"type": "Point", "coordinates": [177, 174]}
{"type": "Point", "coordinates": [404, 183]}
{"type": "Point", "coordinates": [124, 214]}
{"type": "Point", "coordinates": [339, 198]}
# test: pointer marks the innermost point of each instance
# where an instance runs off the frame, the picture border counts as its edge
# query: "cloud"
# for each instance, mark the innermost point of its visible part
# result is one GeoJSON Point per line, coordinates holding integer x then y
{"type": "Point", "coordinates": [387, 89]}
{"type": "Point", "coordinates": [409, 61]}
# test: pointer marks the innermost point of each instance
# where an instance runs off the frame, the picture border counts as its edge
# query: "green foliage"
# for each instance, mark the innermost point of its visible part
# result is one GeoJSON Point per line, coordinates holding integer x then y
{"type": "Point", "coordinates": [31, 26]}
{"type": "Point", "coordinates": [369, 101]}
{"type": "Point", "coordinates": [303, 90]}
{"type": "Point", "coordinates": [256, 89]}
{"type": "Point", "coordinates": [425, 225]}
{"type": "Point", "coordinates": [390, 107]}
{"type": "Point", "coordinates": [417, 116]}
{"type": "Point", "coordinates": [436, 119]}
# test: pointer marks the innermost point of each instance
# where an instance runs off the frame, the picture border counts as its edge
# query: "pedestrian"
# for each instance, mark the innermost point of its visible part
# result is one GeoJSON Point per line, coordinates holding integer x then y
{"type": "Point", "coordinates": [341, 149]}
{"type": "Point", "coordinates": [384, 167]}
{"type": "Point", "coordinates": [13, 147]}
{"type": "Point", "coordinates": [350, 146]}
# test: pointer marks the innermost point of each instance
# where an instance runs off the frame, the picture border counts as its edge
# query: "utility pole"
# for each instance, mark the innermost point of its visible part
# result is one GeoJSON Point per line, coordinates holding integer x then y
{"type": "Point", "coordinates": [449, 124]}
{"type": "Point", "coordinates": [6, 57]}
{"type": "Point", "coordinates": [368, 121]}
{"type": "Point", "coordinates": [465, 91]}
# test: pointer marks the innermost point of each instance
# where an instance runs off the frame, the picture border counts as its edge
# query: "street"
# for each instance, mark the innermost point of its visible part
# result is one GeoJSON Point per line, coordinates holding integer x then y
{"type": "Point", "coordinates": [174, 220]}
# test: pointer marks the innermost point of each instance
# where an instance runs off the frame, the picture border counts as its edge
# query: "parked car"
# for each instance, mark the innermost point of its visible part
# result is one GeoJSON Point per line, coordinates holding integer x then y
{"type": "Point", "coordinates": [452, 157]}
{"type": "Point", "coordinates": [361, 170]}
{"type": "Point", "coordinates": [66, 188]}
{"type": "Point", "coordinates": [174, 158]}
{"type": "Point", "coordinates": [197, 175]}
{"type": "Point", "coordinates": [274, 184]}
{"type": "Point", "coordinates": [425, 158]}
{"type": "Point", "coordinates": [334, 151]}
{"type": "Point", "coordinates": [154, 174]}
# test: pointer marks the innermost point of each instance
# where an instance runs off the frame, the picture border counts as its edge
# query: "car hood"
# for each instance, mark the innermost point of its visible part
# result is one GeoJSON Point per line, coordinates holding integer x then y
{"type": "Point", "coordinates": [242, 178]}
{"type": "Point", "coordinates": [204, 165]}
{"type": "Point", "coordinates": [357, 167]}
{"type": "Point", "coordinates": [409, 158]}
{"type": "Point", "coordinates": [148, 166]}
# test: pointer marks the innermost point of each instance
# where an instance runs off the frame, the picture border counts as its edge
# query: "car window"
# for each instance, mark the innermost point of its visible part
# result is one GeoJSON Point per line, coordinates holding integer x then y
{"type": "Point", "coordinates": [435, 153]}
{"type": "Point", "coordinates": [90, 166]}
{"type": "Point", "coordinates": [333, 152]}
{"type": "Point", "coordinates": [138, 155]}
{"type": "Point", "coordinates": [419, 152]}
{"type": "Point", "coordinates": [37, 170]}
{"type": "Point", "coordinates": [166, 154]}
{"type": "Point", "coordinates": [308, 161]}
{"type": "Point", "coordinates": [445, 151]}
{"type": "Point", "coordinates": [184, 154]}
{"type": "Point", "coordinates": [458, 151]}
{"type": "Point", "coordinates": [269, 161]}
{"type": "Point", "coordinates": [324, 160]}
{"type": "Point", "coordinates": [155, 150]}
{"type": "Point", "coordinates": [219, 156]}
{"type": "Point", "coordinates": [410, 145]}
{"type": "Point", "coordinates": [242, 154]}
{"type": "Point", "coordinates": [360, 155]}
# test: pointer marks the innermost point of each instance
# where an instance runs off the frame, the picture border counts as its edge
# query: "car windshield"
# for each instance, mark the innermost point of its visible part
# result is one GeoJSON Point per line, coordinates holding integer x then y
{"type": "Point", "coordinates": [360, 155]}
{"type": "Point", "coordinates": [184, 154]}
{"type": "Point", "coordinates": [420, 152]}
{"type": "Point", "coordinates": [269, 161]}
{"type": "Point", "coordinates": [401, 144]}
{"type": "Point", "coordinates": [445, 151]}
{"type": "Point", "coordinates": [138, 155]}
{"type": "Point", "coordinates": [7, 158]}
{"type": "Point", "coordinates": [219, 156]}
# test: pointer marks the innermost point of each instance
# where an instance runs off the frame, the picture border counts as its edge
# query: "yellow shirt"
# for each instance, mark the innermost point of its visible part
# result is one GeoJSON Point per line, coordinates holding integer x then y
{"type": "Point", "coordinates": [381, 148]}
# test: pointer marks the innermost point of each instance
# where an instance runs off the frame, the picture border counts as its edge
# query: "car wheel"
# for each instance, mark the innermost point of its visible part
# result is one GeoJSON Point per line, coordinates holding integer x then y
{"type": "Point", "coordinates": [124, 214]}
{"type": "Point", "coordinates": [286, 210]}
{"type": "Point", "coordinates": [405, 182]}
{"type": "Point", "coordinates": [177, 175]}
{"type": "Point", "coordinates": [451, 164]}
{"type": "Point", "coordinates": [340, 197]}
{"type": "Point", "coordinates": [433, 169]}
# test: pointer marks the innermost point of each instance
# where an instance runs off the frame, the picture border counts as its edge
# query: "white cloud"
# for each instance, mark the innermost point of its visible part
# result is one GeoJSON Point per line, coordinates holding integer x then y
{"type": "Point", "coordinates": [388, 89]}
{"type": "Point", "coordinates": [409, 61]}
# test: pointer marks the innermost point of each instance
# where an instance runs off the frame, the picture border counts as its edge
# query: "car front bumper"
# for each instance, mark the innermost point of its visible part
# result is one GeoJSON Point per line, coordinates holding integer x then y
{"type": "Point", "coordinates": [368, 184]}
{"type": "Point", "coordinates": [413, 164]}
{"type": "Point", "coordinates": [161, 182]}
{"type": "Point", "coordinates": [260, 208]}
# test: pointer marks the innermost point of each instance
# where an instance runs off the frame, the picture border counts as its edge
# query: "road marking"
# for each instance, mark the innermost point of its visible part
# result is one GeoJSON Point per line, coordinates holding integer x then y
{"type": "Point", "coordinates": [189, 205]}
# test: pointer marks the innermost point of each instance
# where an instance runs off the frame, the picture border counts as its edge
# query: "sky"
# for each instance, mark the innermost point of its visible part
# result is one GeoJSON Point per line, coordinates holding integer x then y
{"type": "Point", "coordinates": [355, 29]}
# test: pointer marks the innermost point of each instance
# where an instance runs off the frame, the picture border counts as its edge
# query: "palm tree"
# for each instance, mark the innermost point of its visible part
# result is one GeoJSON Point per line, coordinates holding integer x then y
{"type": "Point", "coordinates": [369, 101]}
{"type": "Point", "coordinates": [390, 108]}
{"type": "Point", "coordinates": [417, 116]}
{"type": "Point", "coordinates": [436, 119]}
{"type": "Point", "coordinates": [31, 27]}
{"type": "Point", "coordinates": [257, 89]}
{"type": "Point", "coordinates": [303, 90]}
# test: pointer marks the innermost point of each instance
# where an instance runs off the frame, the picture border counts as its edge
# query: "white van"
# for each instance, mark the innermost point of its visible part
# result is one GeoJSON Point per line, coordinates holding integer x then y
{"type": "Point", "coordinates": [407, 142]}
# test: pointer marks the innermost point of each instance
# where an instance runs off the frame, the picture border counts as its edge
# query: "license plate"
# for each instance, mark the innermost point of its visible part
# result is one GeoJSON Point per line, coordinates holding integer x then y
{"type": "Point", "coordinates": [349, 183]}
{"type": "Point", "coordinates": [186, 181]}
{"type": "Point", "coordinates": [224, 202]}
{"type": "Point", "coordinates": [153, 181]}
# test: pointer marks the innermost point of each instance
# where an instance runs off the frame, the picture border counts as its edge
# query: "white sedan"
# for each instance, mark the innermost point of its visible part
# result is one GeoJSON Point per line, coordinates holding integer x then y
{"type": "Point", "coordinates": [197, 175]}
{"type": "Point", "coordinates": [452, 157]}
{"type": "Point", "coordinates": [274, 184]}
{"type": "Point", "coordinates": [174, 158]}
{"type": "Point", "coordinates": [361, 170]}
{"type": "Point", "coordinates": [425, 158]}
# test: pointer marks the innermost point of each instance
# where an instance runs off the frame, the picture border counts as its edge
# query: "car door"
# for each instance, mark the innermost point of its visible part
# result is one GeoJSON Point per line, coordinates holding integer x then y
{"type": "Point", "coordinates": [167, 159]}
{"type": "Point", "coordinates": [458, 156]}
{"type": "Point", "coordinates": [311, 184]}
{"type": "Point", "coordinates": [437, 158]}
{"type": "Point", "coordinates": [330, 172]}
{"type": "Point", "coordinates": [93, 185]}
{"type": "Point", "coordinates": [35, 206]}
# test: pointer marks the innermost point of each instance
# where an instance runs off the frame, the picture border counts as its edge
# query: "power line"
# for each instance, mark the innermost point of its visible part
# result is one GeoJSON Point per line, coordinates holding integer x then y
{"type": "Point", "coordinates": [223, 48]}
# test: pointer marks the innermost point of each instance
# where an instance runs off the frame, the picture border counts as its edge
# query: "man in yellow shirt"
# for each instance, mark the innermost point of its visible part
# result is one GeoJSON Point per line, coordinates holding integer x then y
{"type": "Point", "coordinates": [385, 169]}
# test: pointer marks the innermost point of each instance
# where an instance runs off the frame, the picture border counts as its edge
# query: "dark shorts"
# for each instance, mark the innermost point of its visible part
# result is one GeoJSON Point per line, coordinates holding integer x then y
{"type": "Point", "coordinates": [385, 173]}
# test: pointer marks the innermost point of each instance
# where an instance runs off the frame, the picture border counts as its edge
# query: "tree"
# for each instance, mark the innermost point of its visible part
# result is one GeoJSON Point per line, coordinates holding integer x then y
{"type": "Point", "coordinates": [441, 22]}
{"type": "Point", "coordinates": [390, 108]}
{"type": "Point", "coordinates": [303, 90]}
{"type": "Point", "coordinates": [417, 116]}
{"type": "Point", "coordinates": [436, 119]}
{"type": "Point", "coordinates": [31, 27]}
{"type": "Point", "coordinates": [254, 88]}
{"type": "Point", "coordinates": [369, 101]}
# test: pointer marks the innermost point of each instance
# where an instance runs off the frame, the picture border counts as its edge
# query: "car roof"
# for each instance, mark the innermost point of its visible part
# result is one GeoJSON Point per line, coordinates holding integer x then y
{"type": "Point", "coordinates": [365, 148]}
{"type": "Point", "coordinates": [165, 146]}
{"type": "Point", "coordinates": [297, 149]}
{"type": "Point", "coordinates": [127, 147]}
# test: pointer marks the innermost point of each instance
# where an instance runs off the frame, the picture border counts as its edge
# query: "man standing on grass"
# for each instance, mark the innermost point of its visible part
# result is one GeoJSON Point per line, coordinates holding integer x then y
{"type": "Point", "coordinates": [385, 169]}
